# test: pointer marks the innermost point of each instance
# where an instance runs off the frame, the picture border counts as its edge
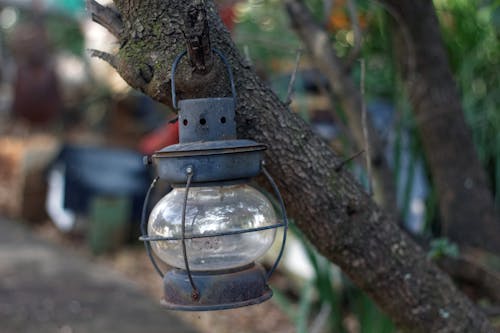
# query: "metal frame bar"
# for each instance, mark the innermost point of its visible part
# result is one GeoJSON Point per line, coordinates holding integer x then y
{"type": "Point", "coordinates": [195, 292]}
{"type": "Point", "coordinates": [147, 239]}
{"type": "Point", "coordinates": [143, 227]}
{"type": "Point", "coordinates": [285, 220]}
{"type": "Point", "coordinates": [215, 234]}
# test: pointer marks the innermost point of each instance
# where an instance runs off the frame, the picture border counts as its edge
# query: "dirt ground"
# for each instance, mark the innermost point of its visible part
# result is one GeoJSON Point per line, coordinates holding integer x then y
{"type": "Point", "coordinates": [134, 264]}
{"type": "Point", "coordinates": [46, 288]}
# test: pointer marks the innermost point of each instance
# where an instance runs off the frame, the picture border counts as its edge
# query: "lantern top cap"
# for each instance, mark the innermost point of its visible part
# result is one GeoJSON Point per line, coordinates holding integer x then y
{"type": "Point", "coordinates": [207, 141]}
{"type": "Point", "coordinates": [209, 148]}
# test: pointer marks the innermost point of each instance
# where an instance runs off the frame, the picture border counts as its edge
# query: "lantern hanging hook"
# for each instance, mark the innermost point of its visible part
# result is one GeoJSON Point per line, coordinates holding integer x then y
{"type": "Point", "coordinates": [226, 64]}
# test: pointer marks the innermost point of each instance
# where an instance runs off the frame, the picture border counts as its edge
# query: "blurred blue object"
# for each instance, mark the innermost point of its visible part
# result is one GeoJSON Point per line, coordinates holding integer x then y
{"type": "Point", "coordinates": [94, 171]}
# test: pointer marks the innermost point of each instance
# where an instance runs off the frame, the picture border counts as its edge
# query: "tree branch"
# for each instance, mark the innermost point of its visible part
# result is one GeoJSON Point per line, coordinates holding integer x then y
{"type": "Point", "coordinates": [466, 203]}
{"type": "Point", "coordinates": [483, 282]}
{"type": "Point", "coordinates": [106, 17]}
{"type": "Point", "coordinates": [107, 57]}
{"type": "Point", "coordinates": [291, 84]}
{"type": "Point", "coordinates": [324, 57]}
{"type": "Point", "coordinates": [356, 29]}
{"type": "Point", "coordinates": [330, 208]}
{"type": "Point", "coordinates": [364, 125]}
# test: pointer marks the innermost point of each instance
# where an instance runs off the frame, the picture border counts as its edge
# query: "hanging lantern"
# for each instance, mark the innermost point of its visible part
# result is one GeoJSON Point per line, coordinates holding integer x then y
{"type": "Point", "coordinates": [213, 226]}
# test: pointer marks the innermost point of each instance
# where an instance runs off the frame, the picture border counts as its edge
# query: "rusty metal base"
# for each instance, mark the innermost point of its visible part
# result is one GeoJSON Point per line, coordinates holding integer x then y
{"type": "Point", "coordinates": [217, 291]}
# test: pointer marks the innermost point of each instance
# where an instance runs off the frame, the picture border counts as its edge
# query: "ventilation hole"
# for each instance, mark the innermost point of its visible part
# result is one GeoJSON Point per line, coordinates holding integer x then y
{"type": "Point", "coordinates": [185, 122]}
{"type": "Point", "coordinates": [223, 120]}
{"type": "Point", "coordinates": [203, 121]}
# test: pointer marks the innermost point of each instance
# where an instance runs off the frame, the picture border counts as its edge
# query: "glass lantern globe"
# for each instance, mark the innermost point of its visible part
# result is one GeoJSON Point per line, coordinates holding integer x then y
{"type": "Point", "coordinates": [213, 210]}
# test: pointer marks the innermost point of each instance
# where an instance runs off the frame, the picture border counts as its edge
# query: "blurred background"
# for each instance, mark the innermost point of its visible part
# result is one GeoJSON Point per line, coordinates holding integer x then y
{"type": "Point", "coordinates": [72, 137]}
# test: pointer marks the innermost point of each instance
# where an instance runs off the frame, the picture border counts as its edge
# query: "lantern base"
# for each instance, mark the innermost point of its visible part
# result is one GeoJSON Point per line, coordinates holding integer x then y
{"type": "Point", "coordinates": [217, 290]}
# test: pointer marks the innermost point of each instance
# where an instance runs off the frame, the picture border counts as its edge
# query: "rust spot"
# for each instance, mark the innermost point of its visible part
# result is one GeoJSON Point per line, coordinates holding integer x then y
{"type": "Point", "coordinates": [195, 295]}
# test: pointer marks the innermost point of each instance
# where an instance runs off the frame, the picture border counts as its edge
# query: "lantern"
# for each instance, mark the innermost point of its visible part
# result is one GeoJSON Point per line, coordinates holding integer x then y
{"type": "Point", "coordinates": [213, 226]}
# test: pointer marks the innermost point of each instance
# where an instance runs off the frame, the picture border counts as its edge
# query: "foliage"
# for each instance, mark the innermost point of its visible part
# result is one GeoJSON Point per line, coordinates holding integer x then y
{"type": "Point", "coordinates": [442, 247]}
{"type": "Point", "coordinates": [263, 34]}
{"type": "Point", "coordinates": [65, 34]}
{"type": "Point", "coordinates": [471, 30]}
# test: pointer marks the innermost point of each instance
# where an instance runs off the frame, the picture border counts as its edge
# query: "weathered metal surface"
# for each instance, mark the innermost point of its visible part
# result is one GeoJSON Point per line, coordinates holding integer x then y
{"type": "Point", "coordinates": [215, 164]}
{"type": "Point", "coordinates": [207, 119]}
{"type": "Point", "coordinates": [207, 136]}
{"type": "Point", "coordinates": [208, 153]}
{"type": "Point", "coordinates": [216, 291]}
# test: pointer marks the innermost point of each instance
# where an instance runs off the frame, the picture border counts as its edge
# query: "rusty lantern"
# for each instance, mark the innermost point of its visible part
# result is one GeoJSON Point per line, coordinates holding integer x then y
{"type": "Point", "coordinates": [213, 225]}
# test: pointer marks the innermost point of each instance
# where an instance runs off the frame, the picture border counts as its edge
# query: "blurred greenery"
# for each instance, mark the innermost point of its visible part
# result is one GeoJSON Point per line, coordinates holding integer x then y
{"type": "Point", "coordinates": [471, 30]}
{"type": "Point", "coordinates": [64, 31]}
{"type": "Point", "coordinates": [65, 34]}
{"type": "Point", "coordinates": [442, 247]}
{"type": "Point", "coordinates": [471, 33]}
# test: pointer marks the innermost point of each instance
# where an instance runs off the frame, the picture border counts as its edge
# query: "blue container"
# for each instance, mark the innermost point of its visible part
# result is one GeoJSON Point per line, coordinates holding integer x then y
{"type": "Point", "coordinates": [95, 171]}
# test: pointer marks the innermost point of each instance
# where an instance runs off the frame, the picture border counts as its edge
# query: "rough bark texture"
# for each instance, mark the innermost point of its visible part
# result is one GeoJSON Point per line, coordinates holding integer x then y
{"type": "Point", "coordinates": [320, 49]}
{"type": "Point", "coordinates": [477, 281]}
{"type": "Point", "coordinates": [330, 208]}
{"type": "Point", "coordinates": [465, 200]}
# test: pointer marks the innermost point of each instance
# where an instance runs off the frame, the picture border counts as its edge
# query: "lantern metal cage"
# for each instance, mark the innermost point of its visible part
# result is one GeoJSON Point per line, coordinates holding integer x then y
{"type": "Point", "coordinates": [209, 154]}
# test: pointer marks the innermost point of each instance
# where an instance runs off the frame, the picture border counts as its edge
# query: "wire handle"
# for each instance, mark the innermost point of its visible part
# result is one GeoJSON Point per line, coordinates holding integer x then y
{"type": "Point", "coordinates": [146, 239]}
{"type": "Point", "coordinates": [285, 220]}
{"type": "Point", "coordinates": [144, 233]}
{"type": "Point", "coordinates": [224, 60]}
{"type": "Point", "coordinates": [195, 294]}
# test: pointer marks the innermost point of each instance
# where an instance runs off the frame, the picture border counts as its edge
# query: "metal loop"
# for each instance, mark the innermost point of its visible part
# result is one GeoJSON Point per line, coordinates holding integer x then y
{"type": "Point", "coordinates": [285, 221]}
{"type": "Point", "coordinates": [213, 234]}
{"type": "Point", "coordinates": [224, 60]}
{"type": "Point", "coordinates": [143, 227]}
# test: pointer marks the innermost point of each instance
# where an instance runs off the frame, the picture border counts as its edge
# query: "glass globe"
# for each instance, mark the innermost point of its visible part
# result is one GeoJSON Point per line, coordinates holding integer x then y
{"type": "Point", "coordinates": [213, 210]}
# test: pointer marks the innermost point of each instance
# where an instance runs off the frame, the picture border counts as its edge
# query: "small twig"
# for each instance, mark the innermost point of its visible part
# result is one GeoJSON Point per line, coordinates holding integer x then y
{"type": "Point", "coordinates": [248, 59]}
{"type": "Point", "coordinates": [106, 17]}
{"type": "Point", "coordinates": [411, 49]}
{"type": "Point", "coordinates": [491, 311]}
{"type": "Point", "coordinates": [341, 165]}
{"type": "Point", "coordinates": [356, 29]}
{"type": "Point", "coordinates": [485, 282]}
{"type": "Point", "coordinates": [107, 57]}
{"type": "Point", "coordinates": [268, 43]}
{"type": "Point", "coordinates": [365, 128]}
{"type": "Point", "coordinates": [327, 10]}
{"type": "Point", "coordinates": [291, 84]}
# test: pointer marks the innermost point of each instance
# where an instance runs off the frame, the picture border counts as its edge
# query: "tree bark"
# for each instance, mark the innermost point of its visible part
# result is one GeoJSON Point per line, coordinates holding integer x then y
{"type": "Point", "coordinates": [330, 208]}
{"type": "Point", "coordinates": [465, 200]}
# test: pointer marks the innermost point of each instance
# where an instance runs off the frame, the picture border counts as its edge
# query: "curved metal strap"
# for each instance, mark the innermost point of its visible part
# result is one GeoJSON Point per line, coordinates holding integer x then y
{"type": "Point", "coordinates": [195, 292]}
{"type": "Point", "coordinates": [285, 220]}
{"type": "Point", "coordinates": [143, 226]}
{"type": "Point", "coordinates": [176, 63]}
{"type": "Point", "coordinates": [212, 234]}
